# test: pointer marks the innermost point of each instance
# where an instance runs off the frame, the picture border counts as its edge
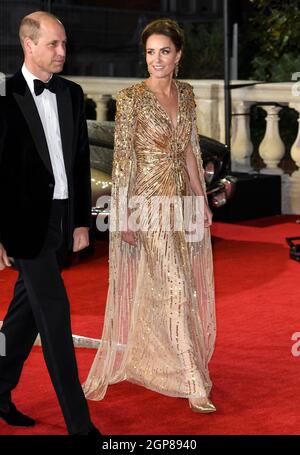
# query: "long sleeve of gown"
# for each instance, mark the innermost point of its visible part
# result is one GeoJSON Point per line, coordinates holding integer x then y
{"type": "Point", "coordinates": [195, 141]}
{"type": "Point", "coordinates": [123, 161]}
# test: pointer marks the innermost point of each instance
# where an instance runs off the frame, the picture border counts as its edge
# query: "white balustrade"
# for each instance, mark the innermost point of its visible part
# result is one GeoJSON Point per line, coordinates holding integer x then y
{"type": "Point", "coordinates": [209, 96]}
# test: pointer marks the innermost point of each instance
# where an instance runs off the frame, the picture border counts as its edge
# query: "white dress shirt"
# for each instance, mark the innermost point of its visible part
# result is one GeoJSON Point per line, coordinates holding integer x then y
{"type": "Point", "coordinates": [47, 107]}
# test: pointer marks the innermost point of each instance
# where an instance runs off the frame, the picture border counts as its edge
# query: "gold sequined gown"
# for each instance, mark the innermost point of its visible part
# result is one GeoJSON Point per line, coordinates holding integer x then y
{"type": "Point", "coordinates": [159, 328]}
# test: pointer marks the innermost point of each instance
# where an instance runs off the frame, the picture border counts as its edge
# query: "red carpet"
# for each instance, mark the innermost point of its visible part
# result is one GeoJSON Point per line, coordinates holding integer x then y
{"type": "Point", "coordinates": [256, 378]}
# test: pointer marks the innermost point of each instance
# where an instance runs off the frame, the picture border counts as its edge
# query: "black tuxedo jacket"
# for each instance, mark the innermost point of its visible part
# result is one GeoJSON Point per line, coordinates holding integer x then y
{"type": "Point", "coordinates": [26, 176]}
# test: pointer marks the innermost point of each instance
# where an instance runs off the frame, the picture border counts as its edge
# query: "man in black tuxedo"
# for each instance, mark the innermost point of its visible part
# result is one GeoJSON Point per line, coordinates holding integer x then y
{"type": "Point", "coordinates": [44, 205]}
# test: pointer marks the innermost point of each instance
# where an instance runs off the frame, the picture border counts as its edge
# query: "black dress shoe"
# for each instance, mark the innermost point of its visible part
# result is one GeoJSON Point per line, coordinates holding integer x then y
{"type": "Point", "coordinates": [14, 417]}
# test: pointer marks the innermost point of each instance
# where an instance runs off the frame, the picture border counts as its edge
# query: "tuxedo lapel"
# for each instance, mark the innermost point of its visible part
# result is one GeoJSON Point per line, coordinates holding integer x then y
{"type": "Point", "coordinates": [27, 105]}
{"type": "Point", "coordinates": [65, 115]}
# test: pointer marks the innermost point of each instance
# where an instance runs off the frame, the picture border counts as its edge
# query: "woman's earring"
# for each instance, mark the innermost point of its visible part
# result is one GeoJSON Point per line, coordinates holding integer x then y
{"type": "Point", "coordinates": [176, 69]}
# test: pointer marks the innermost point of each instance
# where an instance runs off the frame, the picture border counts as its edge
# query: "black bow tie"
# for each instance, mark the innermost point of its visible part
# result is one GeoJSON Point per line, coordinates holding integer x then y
{"type": "Point", "coordinates": [39, 86]}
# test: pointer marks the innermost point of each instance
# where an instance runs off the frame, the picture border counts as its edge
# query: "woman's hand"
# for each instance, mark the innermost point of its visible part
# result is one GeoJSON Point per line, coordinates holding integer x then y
{"type": "Point", "coordinates": [129, 237]}
{"type": "Point", "coordinates": [207, 216]}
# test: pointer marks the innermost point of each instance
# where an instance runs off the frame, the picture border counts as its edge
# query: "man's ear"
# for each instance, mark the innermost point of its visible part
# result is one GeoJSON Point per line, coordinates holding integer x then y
{"type": "Point", "coordinates": [28, 45]}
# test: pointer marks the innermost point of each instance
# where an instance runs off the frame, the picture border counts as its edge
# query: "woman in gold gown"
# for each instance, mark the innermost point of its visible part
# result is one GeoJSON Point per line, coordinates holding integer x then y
{"type": "Point", "coordinates": [159, 328]}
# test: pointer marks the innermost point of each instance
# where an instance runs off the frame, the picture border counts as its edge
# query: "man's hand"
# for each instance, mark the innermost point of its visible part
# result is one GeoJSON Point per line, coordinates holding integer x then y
{"type": "Point", "coordinates": [80, 238]}
{"type": "Point", "coordinates": [4, 261]}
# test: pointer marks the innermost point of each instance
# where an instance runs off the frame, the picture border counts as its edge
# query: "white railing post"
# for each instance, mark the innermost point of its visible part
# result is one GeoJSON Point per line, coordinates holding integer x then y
{"type": "Point", "coordinates": [271, 148]}
{"type": "Point", "coordinates": [241, 145]}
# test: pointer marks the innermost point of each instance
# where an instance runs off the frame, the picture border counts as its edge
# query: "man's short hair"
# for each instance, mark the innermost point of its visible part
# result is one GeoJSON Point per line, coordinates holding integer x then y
{"type": "Point", "coordinates": [30, 28]}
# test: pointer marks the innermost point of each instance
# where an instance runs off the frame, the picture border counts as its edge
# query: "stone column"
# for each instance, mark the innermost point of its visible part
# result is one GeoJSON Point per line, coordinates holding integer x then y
{"type": "Point", "coordinates": [272, 148]}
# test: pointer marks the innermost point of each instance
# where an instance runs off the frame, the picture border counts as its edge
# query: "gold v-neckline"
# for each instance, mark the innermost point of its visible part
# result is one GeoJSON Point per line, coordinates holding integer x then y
{"type": "Point", "coordinates": [174, 127]}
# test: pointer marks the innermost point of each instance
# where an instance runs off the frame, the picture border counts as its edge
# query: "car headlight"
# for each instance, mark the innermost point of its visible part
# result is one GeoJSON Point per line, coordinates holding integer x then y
{"type": "Point", "coordinates": [209, 172]}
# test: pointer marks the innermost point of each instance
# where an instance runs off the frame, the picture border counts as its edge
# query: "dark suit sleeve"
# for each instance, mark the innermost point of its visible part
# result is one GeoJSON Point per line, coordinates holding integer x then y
{"type": "Point", "coordinates": [2, 126]}
{"type": "Point", "coordinates": [2, 136]}
{"type": "Point", "coordinates": [82, 173]}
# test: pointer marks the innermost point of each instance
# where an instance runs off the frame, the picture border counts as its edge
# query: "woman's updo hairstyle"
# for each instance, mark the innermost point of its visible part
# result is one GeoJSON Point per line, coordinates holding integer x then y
{"type": "Point", "coordinates": [166, 27]}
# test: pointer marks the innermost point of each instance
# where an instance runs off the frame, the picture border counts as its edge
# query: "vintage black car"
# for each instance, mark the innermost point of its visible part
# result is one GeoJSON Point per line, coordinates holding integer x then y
{"type": "Point", "coordinates": [219, 183]}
